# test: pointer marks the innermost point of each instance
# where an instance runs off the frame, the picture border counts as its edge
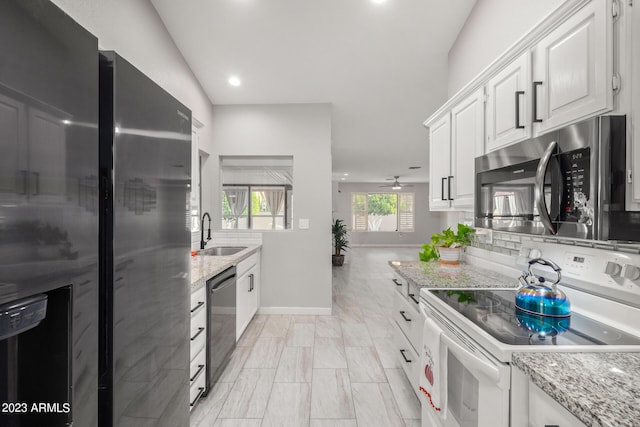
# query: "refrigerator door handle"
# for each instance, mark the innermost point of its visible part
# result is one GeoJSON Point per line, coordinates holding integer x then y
{"type": "Point", "coordinates": [23, 182]}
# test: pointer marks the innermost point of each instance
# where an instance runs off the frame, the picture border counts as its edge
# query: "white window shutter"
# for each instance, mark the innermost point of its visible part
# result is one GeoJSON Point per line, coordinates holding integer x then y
{"type": "Point", "coordinates": [359, 211]}
{"type": "Point", "coordinates": [406, 212]}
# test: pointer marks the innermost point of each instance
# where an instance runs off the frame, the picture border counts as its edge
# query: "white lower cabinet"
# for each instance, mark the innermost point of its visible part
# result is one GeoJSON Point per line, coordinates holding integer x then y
{"type": "Point", "coordinates": [407, 337]}
{"type": "Point", "coordinates": [198, 340]}
{"type": "Point", "coordinates": [546, 412]}
{"type": "Point", "coordinates": [247, 291]}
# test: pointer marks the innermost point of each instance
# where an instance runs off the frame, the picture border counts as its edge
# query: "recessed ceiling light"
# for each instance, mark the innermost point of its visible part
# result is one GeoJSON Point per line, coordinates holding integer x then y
{"type": "Point", "coordinates": [378, 1]}
{"type": "Point", "coordinates": [346, 174]}
{"type": "Point", "coordinates": [343, 178]}
{"type": "Point", "coordinates": [234, 81]}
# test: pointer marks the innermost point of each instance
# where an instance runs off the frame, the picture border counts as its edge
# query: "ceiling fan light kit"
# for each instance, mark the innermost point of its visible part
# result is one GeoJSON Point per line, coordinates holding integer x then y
{"type": "Point", "coordinates": [396, 184]}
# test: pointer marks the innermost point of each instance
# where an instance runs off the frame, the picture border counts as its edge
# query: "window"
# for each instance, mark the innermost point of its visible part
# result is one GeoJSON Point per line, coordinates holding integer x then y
{"type": "Point", "coordinates": [256, 192]}
{"type": "Point", "coordinates": [382, 212]}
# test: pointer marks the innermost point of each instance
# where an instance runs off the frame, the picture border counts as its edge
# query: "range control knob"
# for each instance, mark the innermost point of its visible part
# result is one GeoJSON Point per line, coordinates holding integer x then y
{"type": "Point", "coordinates": [612, 269]}
{"type": "Point", "coordinates": [631, 272]}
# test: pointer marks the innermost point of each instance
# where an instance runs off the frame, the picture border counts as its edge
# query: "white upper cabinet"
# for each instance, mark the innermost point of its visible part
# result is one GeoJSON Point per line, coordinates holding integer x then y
{"type": "Point", "coordinates": [508, 104]}
{"type": "Point", "coordinates": [573, 68]}
{"type": "Point", "coordinates": [439, 163]}
{"type": "Point", "coordinates": [467, 137]}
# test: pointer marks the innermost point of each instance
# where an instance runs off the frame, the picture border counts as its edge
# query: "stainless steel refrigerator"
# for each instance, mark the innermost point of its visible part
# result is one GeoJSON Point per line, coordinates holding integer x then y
{"type": "Point", "coordinates": [48, 217]}
{"type": "Point", "coordinates": [145, 169]}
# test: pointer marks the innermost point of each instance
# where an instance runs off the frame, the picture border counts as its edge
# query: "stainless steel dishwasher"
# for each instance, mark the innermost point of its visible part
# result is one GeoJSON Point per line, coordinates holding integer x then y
{"type": "Point", "coordinates": [221, 323]}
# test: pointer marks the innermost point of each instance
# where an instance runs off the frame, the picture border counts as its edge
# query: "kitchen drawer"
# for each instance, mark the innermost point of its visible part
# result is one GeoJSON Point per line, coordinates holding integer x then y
{"type": "Point", "coordinates": [197, 368]}
{"type": "Point", "coordinates": [246, 264]}
{"type": "Point", "coordinates": [198, 337]}
{"type": "Point", "coordinates": [408, 319]}
{"type": "Point", "coordinates": [408, 359]}
{"type": "Point", "coordinates": [400, 284]}
{"type": "Point", "coordinates": [413, 296]}
{"type": "Point", "coordinates": [198, 320]}
{"type": "Point", "coordinates": [198, 300]}
{"type": "Point", "coordinates": [196, 390]}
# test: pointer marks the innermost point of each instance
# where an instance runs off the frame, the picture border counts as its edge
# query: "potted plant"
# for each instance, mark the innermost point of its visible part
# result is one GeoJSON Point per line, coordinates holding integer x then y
{"type": "Point", "coordinates": [340, 242]}
{"type": "Point", "coordinates": [447, 246]}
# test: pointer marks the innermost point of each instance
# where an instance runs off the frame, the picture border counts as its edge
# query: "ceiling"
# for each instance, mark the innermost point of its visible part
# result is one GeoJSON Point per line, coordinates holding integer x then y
{"type": "Point", "coordinates": [383, 67]}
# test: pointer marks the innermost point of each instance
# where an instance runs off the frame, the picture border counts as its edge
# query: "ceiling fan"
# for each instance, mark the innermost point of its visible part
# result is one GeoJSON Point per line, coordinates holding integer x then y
{"type": "Point", "coordinates": [396, 184]}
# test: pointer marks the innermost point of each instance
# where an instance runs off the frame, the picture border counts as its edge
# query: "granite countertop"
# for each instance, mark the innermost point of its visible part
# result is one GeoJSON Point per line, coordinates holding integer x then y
{"type": "Point", "coordinates": [204, 267]}
{"type": "Point", "coordinates": [432, 275]}
{"type": "Point", "coordinates": [600, 389]}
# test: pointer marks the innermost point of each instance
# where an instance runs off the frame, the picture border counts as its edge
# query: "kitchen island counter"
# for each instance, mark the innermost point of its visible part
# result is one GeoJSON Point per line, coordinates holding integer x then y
{"type": "Point", "coordinates": [600, 389]}
{"type": "Point", "coordinates": [432, 275]}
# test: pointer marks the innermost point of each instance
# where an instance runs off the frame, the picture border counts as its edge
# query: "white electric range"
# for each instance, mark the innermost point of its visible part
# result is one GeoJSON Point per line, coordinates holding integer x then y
{"type": "Point", "coordinates": [470, 334]}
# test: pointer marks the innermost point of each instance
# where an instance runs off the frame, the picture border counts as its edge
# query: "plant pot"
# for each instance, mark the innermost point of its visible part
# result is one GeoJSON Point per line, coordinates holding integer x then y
{"type": "Point", "coordinates": [337, 260]}
{"type": "Point", "coordinates": [450, 256]}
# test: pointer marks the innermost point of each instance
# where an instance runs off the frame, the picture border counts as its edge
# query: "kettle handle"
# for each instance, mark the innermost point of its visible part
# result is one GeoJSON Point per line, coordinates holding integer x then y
{"type": "Point", "coordinates": [548, 263]}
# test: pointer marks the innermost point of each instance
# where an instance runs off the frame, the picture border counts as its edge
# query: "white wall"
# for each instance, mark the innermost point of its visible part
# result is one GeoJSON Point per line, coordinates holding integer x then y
{"type": "Point", "coordinates": [296, 264]}
{"type": "Point", "coordinates": [492, 26]}
{"type": "Point", "coordinates": [426, 222]}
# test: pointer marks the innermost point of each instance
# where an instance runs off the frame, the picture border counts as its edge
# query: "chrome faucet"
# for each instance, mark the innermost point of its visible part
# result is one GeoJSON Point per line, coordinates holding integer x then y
{"type": "Point", "coordinates": [203, 243]}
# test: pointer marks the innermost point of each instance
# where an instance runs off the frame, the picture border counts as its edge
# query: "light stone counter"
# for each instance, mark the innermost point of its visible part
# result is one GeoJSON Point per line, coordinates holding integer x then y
{"type": "Point", "coordinates": [600, 389]}
{"type": "Point", "coordinates": [432, 275]}
{"type": "Point", "coordinates": [204, 267]}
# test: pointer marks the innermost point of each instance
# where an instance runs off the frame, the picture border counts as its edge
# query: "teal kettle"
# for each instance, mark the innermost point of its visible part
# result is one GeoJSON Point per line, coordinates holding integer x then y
{"type": "Point", "coordinates": [536, 297]}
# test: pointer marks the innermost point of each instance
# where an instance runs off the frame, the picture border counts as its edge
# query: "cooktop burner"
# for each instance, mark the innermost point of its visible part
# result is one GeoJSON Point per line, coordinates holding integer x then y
{"type": "Point", "coordinates": [495, 312]}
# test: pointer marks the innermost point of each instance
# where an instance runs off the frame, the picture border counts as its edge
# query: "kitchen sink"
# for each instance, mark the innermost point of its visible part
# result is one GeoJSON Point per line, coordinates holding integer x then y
{"type": "Point", "coordinates": [222, 250]}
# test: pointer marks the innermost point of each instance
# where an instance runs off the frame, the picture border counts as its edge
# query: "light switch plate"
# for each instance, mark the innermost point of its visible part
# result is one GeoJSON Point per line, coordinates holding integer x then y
{"type": "Point", "coordinates": [303, 223]}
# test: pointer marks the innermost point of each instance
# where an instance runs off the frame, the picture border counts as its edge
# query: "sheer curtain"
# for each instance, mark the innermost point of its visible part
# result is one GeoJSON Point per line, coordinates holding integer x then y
{"type": "Point", "coordinates": [275, 201]}
{"type": "Point", "coordinates": [237, 202]}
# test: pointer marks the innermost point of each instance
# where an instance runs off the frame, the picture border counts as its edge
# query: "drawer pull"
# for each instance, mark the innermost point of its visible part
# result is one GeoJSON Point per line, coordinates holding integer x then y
{"type": "Point", "coordinates": [200, 304]}
{"type": "Point", "coordinates": [200, 330]}
{"type": "Point", "coordinates": [405, 357]}
{"type": "Point", "coordinates": [404, 317]}
{"type": "Point", "coordinates": [197, 374]}
{"type": "Point", "coordinates": [200, 391]}
{"type": "Point", "coordinates": [396, 282]}
{"type": "Point", "coordinates": [412, 296]}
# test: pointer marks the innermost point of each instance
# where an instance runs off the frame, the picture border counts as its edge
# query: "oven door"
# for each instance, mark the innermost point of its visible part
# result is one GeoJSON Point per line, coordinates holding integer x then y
{"type": "Point", "coordinates": [474, 386]}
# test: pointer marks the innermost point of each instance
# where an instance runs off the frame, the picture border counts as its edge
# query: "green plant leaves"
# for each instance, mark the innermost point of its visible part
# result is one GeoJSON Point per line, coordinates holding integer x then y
{"type": "Point", "coordinates": [447, 239]}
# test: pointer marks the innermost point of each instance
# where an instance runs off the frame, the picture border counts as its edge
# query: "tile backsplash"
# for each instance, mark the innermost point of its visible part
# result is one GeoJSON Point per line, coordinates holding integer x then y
{"type": "Point", "coordinates": [510, 243]}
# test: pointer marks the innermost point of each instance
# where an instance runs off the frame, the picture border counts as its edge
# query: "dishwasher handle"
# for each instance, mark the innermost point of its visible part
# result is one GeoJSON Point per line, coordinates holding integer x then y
{"type": "Point", "coordinates": [223, 285]}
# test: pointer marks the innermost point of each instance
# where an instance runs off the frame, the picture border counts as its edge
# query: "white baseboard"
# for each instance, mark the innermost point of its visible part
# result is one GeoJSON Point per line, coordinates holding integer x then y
{"type": "Point", "coordinates": [321, 311]}
{"type": "Point", "coordinates": [386, 245]}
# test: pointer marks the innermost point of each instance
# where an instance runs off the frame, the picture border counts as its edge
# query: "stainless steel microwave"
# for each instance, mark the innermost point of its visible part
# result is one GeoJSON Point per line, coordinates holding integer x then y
{"type": "Point", "coordinates": [568, 183]}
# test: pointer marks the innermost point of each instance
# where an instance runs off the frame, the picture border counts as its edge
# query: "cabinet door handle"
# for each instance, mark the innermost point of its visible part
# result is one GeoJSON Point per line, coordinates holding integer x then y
{"type": "Point", "coordinates": [396, 282]}
{"type": "Point", "coordinates": [405, 357]}
{"type": "Point", "coordinates": [412, 296]}
{"type": "Point", "coordinates": [518, 94]}
{"type": "Point", "coordinates": [23, 179]}
{"type": "Point", "coordinates": [406, 319]}
{"type": "Point", "coordinates": [449, 186]}
{"type": "Point", "coordinates": [251, 282]}
{"type": "Point", "coordinates": [197, 374]}
{"type": "Point", "coordinates": [200, 330]}
{"type": "Point", "coordinates": [200, 304]}
{"type": "Point", "coordinates": [534, 109]}
{"type": "Point", "coordinates": [200, 391]}
{"type": "Point", "coordinates": [551, 425]}
{"type": "Point", "coordinates": [442, 187]}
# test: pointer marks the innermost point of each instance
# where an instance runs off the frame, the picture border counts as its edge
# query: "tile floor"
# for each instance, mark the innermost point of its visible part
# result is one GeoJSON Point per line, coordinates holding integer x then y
{"type": "Point", "coordinates": [321, 371]}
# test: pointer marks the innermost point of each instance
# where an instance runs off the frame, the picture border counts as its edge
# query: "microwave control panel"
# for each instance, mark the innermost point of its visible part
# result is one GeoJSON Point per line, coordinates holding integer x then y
{"type": "Point", "coordinates": [575, 205]}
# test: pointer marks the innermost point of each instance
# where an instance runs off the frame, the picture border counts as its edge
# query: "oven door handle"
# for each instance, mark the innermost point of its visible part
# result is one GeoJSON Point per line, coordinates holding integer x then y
{"type": "Point", "coordinates": [538, 193]}
{"type": "Point", "coordinates": [470, 361]}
